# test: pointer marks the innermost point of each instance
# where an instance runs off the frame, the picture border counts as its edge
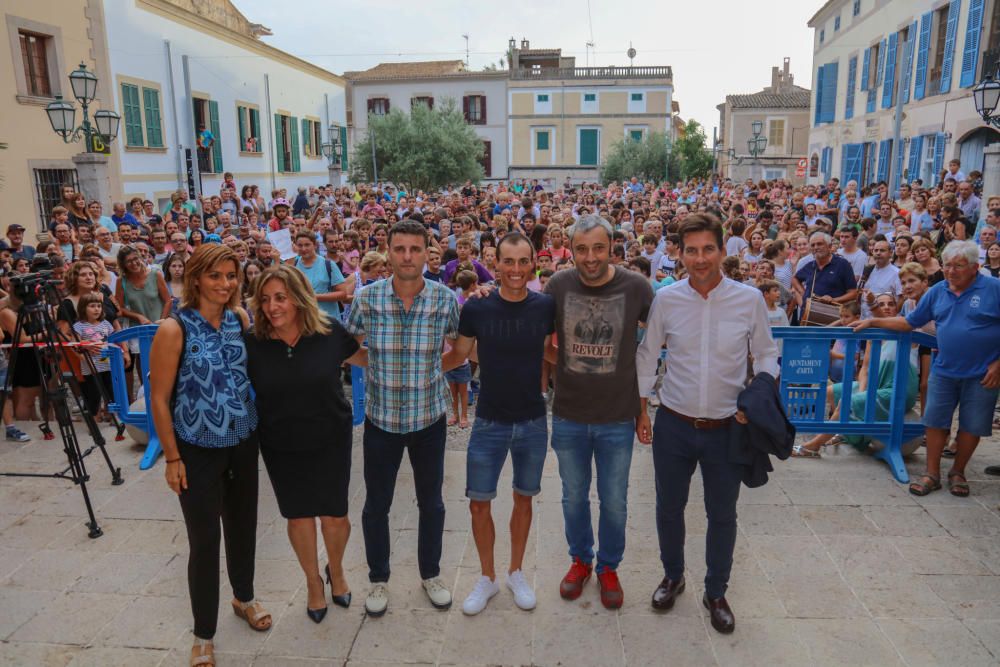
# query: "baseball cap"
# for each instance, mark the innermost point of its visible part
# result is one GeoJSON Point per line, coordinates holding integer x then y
{"type": "Point", "coordinates": [14, 227]}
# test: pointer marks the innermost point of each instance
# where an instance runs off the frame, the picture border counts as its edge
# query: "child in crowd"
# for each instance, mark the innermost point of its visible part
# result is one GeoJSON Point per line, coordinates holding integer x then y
{"type": "Point", "coordinates": [849, 312]}
{"type": "Point", "coordinates": [543, 277]}
{"type": "Point", "coordinates": [466, 282]}
{"type": "Point", "coordinates": [776, 317]}
{"type": "Point", "coordinates": [93, 328]}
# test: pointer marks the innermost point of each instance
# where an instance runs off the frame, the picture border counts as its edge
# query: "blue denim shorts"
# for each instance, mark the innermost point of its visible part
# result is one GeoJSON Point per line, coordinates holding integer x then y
{"type": "Point", "coordinates": [489, 443]}
{"type": "Point", "coordinates": [975, 404]}
{"type": "Point", "coordinates": [460, 375]}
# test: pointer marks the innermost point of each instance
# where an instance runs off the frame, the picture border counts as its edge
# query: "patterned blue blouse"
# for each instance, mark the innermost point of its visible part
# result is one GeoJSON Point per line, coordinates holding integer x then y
{"type": "Point", "coordinates": [213, 406]}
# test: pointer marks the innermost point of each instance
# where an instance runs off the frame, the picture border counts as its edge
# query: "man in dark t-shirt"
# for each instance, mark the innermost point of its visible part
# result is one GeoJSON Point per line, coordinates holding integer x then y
{"type": "Point", "coordinates": [512, 327]}
{"type": "Point", "coordinates": [596, 409]}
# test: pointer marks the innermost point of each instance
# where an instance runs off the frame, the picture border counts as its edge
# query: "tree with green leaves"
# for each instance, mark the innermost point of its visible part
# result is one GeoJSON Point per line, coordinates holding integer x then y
{"type": "Point", "coordinates": [693, 154]}
{"type": "Point", "coordinates": [645, 159]}
{"type": "Point", "coordinates": [425, 149]}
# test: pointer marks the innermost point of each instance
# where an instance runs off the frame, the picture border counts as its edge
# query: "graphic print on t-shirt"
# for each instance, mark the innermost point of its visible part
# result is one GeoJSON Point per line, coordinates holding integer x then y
{"type": "Point", "coordinates": [593, 330]}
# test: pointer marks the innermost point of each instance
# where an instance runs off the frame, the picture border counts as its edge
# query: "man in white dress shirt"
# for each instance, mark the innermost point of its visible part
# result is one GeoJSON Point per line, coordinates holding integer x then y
{"type": "Point", "coordinates": [706, 322]}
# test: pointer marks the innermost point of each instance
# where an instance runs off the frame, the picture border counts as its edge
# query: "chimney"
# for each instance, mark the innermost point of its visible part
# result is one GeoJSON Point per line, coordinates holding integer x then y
{"type": "Point", "coordinates": [524, 44]}
{"type": "Point", "coordinates": [775, 80]}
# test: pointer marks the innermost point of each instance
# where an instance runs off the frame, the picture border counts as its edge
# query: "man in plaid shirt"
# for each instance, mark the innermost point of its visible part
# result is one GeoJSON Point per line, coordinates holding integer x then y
{"type": "Point", "coordinates": [404, 320]}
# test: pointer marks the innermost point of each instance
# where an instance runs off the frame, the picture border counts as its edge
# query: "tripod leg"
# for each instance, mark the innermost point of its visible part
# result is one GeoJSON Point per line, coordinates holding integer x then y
{"type": "Point", "coordinates": [92, 425]}
{"type": "Point", "coordinates": [71, 446]}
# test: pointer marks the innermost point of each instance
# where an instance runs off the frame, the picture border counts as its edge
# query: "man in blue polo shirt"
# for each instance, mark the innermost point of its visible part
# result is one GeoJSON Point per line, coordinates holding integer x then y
{"type": "Point", "coordinates": [966, 372]}
{"type": "Point", "coordinates": [829, 277]}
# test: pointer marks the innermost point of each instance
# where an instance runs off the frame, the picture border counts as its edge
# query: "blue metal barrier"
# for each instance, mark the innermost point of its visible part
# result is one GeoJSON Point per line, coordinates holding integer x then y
{"type": "Point", "coordinates": [144, 420]}
{"type": "Point", "coordinates": [121, 407]}
{"type": "Point", "coordinates": [805, 375]}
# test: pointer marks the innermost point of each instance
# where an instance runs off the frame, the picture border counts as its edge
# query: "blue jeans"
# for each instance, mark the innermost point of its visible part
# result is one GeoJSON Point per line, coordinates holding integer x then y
{"type": "Point", "coordinates": [677, 448]}
{"type": "Point", "coordinates": [383, 454]}
{"type": "Point", "coordinates": [610, 446]}
{"type": "Point", "coordinates": [489, 443]}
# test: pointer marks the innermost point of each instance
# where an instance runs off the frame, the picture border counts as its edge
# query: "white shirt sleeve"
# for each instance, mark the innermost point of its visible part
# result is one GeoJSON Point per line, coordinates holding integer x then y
{"type": "Point", "coordinates": [762, 345]}
{"type": "Point", "coordinates": [648, 355]}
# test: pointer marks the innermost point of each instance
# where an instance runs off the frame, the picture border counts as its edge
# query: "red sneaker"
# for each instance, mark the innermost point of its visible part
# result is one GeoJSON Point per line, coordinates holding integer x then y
{"type": "Point", "coordinates": [612, 595]}
{"type": "Point", "coordinates": [572, 584]}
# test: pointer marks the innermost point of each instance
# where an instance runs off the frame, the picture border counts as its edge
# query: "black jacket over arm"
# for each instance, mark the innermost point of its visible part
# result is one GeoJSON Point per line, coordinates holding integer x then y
{"type": "Point", "coordinates": [768, 431]}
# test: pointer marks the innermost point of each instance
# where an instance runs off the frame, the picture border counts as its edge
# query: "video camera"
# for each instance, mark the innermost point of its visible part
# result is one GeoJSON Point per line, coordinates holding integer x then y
{"type": "Point", "coordinates": [31, 288]}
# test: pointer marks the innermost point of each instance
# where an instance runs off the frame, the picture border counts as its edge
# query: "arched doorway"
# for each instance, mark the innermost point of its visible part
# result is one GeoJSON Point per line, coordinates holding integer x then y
{"type": "Point", "coordinates": [972, 148]}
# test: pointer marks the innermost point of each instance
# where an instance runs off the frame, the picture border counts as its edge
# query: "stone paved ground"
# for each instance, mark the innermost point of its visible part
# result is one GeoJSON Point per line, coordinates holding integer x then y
{"type": "Point", "coordinates": [835, 565]}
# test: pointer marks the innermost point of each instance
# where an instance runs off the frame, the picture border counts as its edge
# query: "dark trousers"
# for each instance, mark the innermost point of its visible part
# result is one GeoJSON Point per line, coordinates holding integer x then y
{"type": "Point", "coordinates": [383, 453]}
{"type": "Point", "coordinates": [222, 484]}
{"type": "Point", "coordinates": [677, 448]}
{"type": "Point", "coordinates": [91, 389]}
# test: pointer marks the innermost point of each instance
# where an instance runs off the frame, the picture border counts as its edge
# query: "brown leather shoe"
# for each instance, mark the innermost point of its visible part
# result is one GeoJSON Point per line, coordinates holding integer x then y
{"type": "Point", "coordinates": [666, 594]}
{"type": "Point", "coordinates": [722, 616]}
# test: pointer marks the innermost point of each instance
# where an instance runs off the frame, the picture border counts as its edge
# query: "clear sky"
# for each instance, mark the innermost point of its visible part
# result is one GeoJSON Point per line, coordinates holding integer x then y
{"type": "Point", "coordinates": [716, 47]}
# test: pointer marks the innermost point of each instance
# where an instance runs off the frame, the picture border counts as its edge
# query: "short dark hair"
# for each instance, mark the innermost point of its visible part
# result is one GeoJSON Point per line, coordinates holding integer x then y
{"type": "Point", "coordinates": [851, 229]}
{"type": "Point", "coordinates": [514, 238]}
{"type": "Point", "coordinates": [410, 228]}
{"type": "Point", "coordinates": [701, 222]}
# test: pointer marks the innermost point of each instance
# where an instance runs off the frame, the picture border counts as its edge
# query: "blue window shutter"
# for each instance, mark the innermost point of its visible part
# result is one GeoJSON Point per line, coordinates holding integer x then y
{"type": "Point", "coordinates": [970, 54]}
{"type": "Point", "coordinates": [908, 62]}
{"type": "Point", "coordinates": [850, 158]}
{"type": "Point", "coordinates": [949, 45]}
{"type": "Point", "coordinates": [890, 71]}
{"type": "Point", "coordinates": [818, 114]}
{"type": "Point", "coordinates": [213, 115]}
{"type": "Point", "coordinates": [279, 144]}
{"type": "Point", "coordinates": [865, 67]}
{"type": "Point", "coordinates": [916, 151]}
{"type": "Point", "coordinates": [897, 169]}
{"type": "Point", "coordinates": [823, 164]}
{"type": "Point", "coordinates": [939, 140]}
{"type": "Point", "coordinates": [923, 51]}
{"type": "Point", "coordinates": [343, 149]}
{"type": "Point", "coordinates": [830, 92]}
{"type": "Point", "coordinates": [296, 157]}
{"type": "Point", "coordinates": [884, 151]}
{"type": "Point", "coordinates": [852, 82]}
{"type": "Point", "coordinates": [878, 77]}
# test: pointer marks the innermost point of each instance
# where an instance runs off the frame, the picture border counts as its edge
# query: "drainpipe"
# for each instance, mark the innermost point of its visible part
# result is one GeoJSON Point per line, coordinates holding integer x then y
{"type": "Point", "coordinates": [177, 129]}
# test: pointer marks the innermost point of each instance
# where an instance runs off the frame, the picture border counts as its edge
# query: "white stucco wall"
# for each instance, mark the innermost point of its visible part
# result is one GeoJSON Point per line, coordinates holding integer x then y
{"type": "Point", "coordinates": [222, 70]}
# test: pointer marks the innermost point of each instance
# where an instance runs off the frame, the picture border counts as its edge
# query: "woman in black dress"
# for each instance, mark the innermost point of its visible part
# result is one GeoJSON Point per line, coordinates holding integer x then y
{"type": "Point", "coordinates": [295, 357]}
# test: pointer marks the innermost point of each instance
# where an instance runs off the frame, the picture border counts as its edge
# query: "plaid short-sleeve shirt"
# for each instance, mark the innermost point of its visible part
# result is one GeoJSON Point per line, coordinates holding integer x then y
{"type": "Point", "coordinates": [405, 390]}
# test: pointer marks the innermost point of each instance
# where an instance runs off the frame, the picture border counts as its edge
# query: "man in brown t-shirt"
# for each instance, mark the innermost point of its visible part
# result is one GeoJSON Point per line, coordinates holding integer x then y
{"type": "Point", "coordinates": [596, 409]}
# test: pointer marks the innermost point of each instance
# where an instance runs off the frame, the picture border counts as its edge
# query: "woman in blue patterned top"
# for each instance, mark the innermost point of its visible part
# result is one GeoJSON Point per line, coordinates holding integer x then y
{"type": "Point", "coordinates": [207, 424]}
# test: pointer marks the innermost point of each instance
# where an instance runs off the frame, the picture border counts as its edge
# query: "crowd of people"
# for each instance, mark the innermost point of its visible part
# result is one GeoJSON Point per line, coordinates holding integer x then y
{"type": "Point", "coordinates": [507, 296]}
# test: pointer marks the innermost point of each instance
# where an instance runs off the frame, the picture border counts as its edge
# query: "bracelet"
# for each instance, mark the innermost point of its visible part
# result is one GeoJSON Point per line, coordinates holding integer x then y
{"type": "Point", "coordinates": [173, 460]}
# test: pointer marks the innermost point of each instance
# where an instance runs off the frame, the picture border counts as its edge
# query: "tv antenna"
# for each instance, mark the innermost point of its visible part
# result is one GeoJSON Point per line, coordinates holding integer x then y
{"type": "Point", "coordinates": [466, 37]}
{"type": "Point", "coordinates": [630, 53]}
{"type": "Point", "coordinates": [590, 44]}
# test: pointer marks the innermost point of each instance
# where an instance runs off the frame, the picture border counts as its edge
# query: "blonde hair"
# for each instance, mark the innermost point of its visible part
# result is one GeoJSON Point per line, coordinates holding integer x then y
{"type": "Point", "coordinates": [914, 269]}
{"type": "Point", "coordinates": [206, 257]}
{"type": "Point", "coordinates": [300, 293]}
{"type": "Point", "coordinates": [371, 260]}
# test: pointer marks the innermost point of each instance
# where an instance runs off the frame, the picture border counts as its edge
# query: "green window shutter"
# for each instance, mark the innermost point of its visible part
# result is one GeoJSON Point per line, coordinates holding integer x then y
{"type": "Point", "coordinates": [541, 141]}
{"type": "Point", "coordinates": [636, 135]}
{"type": "Point", "coordinates": [242, 120]}
{"type": "Point", "coordinates": [255, 128]}
{"type": "Point", "coordinates": [213, 114]}
{"type": "Point", "coordinates": [307, 137]}
{"type": "Point", "coordinates": [296, 158]}
{"type": "Point", "coordinates": [279, 143]}
{"type": "Point", "coordinates": [154, 128]}
{"type": "Point", "coordinates": [343, 149]}
{"type": "Point", "coordinates": [588, 147]}
{"type": "Point", "coordinates": [133, 115]}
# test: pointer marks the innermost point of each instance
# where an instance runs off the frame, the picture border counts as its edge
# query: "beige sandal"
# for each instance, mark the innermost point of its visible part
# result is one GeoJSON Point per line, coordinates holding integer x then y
{"type": "Point", "coordinates": [254, 614]}
{"type": "Point", "coordinates": [202, 653]}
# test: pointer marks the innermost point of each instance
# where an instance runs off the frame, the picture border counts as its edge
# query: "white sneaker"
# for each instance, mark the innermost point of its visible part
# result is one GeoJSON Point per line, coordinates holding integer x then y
{"type": "Point", "coordinates": [524, 597]}
{"type": "Point", "coordinates": [378, 599]}
{"type": "Point", "coordinates": [438, 593]}
{"type": "Point", "coordinates": [484, 589]}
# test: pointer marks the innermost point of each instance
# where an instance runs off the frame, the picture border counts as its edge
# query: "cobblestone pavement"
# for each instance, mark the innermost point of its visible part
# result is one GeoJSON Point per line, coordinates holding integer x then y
{"type": "Point", "coordinates": [836, 564]}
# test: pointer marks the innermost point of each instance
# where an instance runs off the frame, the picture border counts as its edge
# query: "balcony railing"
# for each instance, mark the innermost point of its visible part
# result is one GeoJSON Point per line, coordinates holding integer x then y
{"type": "Point", "coordinates": [657, 72]}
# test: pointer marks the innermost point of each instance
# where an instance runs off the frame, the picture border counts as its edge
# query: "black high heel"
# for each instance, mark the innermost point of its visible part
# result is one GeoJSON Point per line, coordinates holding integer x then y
{"type": "Point", "coordinates": [339, 600]}
{"type": "Point", "coordinates": [316, 615]}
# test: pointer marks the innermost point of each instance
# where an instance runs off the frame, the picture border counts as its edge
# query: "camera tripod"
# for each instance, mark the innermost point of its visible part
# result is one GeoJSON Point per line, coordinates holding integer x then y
{"type": "Point", "coordinates": [59, 386]}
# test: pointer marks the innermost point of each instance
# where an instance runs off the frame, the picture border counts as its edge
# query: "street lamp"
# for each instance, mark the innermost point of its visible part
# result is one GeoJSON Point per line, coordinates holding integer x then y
{"type": "Point", "coordinates": [62, 114]}
{"type": "Point", "coordinates": [758, 142]}
{"type": "Point", "coordinates": [332, 150]}
{"type": "Point", "coordinates": [987, 96]}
